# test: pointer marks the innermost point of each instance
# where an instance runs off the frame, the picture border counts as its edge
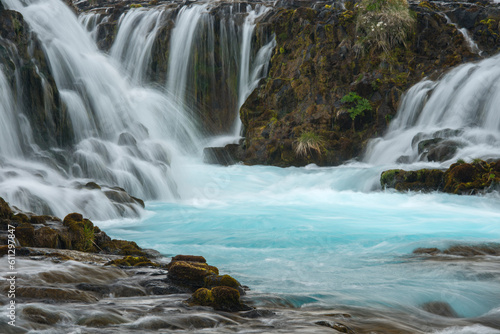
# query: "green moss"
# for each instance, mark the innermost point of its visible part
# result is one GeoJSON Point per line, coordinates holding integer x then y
{"type": "Point", "coordinates": [202, 297]}
{"type": "Point", "coordinates": [135, 6]}
{"type": "Point", "coordinates": [388, 178]}
{"type": "Point", "coordinates": [224, 280]}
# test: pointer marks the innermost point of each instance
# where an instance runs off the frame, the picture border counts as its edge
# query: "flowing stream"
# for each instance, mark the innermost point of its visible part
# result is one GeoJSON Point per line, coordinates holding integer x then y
{"type": "Point", "coordinates": [309, 238]}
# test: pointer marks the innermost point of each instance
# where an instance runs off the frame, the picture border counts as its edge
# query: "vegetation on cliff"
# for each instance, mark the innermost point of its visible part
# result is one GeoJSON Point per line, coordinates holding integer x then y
{"type": "Point", "coordinates": [326, 57]}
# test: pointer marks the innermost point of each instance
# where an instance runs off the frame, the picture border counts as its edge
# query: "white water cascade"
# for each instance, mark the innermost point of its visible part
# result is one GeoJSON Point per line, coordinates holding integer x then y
{"type": "Point", "coordinates": [8, 137]}
{"type": "Point", "coordinates": [251, 71]}
{"type": "Point", "coordinates": [132, 46]}
{"type": "Point", "coordinates": [124, 133]}
{"type": "Point", "coordinates": [460, 111]}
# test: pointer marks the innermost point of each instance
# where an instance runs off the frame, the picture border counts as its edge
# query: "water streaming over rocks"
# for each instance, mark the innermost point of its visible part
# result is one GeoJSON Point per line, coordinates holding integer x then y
{"type": "Point", "coordinates": [455, 117]}
{"type": "Point", "coordinates": [124, 132]}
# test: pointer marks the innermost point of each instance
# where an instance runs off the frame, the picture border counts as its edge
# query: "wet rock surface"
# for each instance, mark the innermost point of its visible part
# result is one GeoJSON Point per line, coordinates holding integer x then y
{"type": "Point", "coordinates": [477, 177]}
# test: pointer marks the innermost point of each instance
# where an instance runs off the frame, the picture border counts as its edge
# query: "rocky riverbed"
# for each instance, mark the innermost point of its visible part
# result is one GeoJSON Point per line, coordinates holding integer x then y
{"type": "Point", "coordinates": [99, 289]}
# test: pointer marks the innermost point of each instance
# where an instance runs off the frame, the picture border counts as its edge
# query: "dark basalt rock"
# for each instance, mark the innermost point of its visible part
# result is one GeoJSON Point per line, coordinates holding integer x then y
{"type": "Point", "coordinates": [440, 308]}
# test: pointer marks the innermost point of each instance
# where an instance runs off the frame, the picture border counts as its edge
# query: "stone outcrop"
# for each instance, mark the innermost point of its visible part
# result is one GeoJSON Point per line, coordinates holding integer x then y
{"type": "Point", "coordinates": [461, 178]}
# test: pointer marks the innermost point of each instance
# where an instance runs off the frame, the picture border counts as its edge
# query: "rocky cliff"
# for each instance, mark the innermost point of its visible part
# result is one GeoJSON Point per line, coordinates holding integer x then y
{"type": "Point", "coordinates": [319, 77]}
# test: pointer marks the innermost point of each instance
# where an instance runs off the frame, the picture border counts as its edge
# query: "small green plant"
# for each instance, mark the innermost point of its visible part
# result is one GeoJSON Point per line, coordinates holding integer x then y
{"type": "Point", "coordinates": [135, 5]}
{"type": "Point", "coordinates": [359, 104]}
{"type": "Point", "coordinates": [460, 161]}
{"type": "Point", "coordinates": [88, 237]}
{"type": "Point", "coordinates": [384, 23]}
{"type": "Point", "coordinates": [282, 50]}
{"type": "Point", "coordinates": [308, 142]}
{"type": "Point", "coordinates": [477, 161]}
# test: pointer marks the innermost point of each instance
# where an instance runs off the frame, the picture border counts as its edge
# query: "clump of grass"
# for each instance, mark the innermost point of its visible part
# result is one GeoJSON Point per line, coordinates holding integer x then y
{"type": "Point", "coordinates": [384, 23]}
{"type": "Point", "coordinates": [307, 143]}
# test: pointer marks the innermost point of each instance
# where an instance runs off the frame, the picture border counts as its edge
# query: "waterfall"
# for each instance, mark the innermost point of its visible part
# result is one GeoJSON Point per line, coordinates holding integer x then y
{"type": "Point", "coordinates": [180, 49]}
{"type": "Point", "coordinates": [127, 133]}
{"type": "Point", "coordinates": [136, 33]}
{"type": "Point", "coordinates": [457, 114]}
{"type": "Point", "coordinates": [251, 71]}
{"type": "Point", "coordinates": [11, 146]}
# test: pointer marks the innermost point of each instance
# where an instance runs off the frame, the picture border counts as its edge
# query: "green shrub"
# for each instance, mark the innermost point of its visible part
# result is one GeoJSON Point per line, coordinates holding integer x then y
{"type": "Point", "coordinates": [307, 143]}
{"type": "Point", "coordinates": [359, 104]}
{"type": "Point", "coordinates": [384, 23]}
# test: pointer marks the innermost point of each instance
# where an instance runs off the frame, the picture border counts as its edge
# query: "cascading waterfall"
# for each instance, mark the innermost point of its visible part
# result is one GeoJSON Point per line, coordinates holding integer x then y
{"type": "Point", "coordinates": [180, 50]}
{"type": "Point", "coordinates": [124, 134]}
{"type": "Point", "coordinates": [459, 112]}
{"type": "Point", "coordinates": [136, 35]}
{"type": "Point", "coordinates": [250, 75]}
{"type": "Point", "coordinates": [11, 146]}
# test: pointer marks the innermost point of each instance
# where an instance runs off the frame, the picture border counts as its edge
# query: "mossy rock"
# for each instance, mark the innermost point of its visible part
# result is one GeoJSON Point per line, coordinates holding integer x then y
{"type": "Point", "coordinates": [25, 234]}
{"type": "Point", "coordinates": [421, 180]}
{"type": "Point", "coordinates": [80, 232]}
{"type": "Point", "coordinates": [471, 178]}
{"type": "Point", "coordinates": [121, 247]}
{"type": "Point", "coordinates": [190, 274]}
{"type": "Point", "coordinates": [188, 258]}
{"type": "Point", "coordinates": [202, 297]}
{"type": "Point", "coordinates": [221, 280]}
{"type": "Point", "coordinates": [133, 261]}
{"type": "Point", "coordinates": [50, 238]}
{"type": "Point", "coordinates": [227, 299]}
{"type": "Point", "coordinates": [5, 210]}
{"type": "Point", "coordinates": [221, 298]}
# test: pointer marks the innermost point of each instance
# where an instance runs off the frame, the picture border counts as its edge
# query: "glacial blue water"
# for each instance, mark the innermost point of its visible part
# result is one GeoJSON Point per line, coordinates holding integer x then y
{"type": "Point", "coordinates": [326, 236]}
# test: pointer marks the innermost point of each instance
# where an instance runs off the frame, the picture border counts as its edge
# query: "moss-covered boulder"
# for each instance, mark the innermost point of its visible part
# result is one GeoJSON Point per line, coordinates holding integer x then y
{"type": "Point", "coordinates": [221, 298]}
{"type": "Point", "coordinates": [189, 274]}
{"type": "Point", "coordinates": [471, 178]}
{"type": "Point", "coordinates": [460, 178]}
{"type": "Point", "coordinates": [80, 232]}
{"type": "Point", "coordinates": [422, 180]}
